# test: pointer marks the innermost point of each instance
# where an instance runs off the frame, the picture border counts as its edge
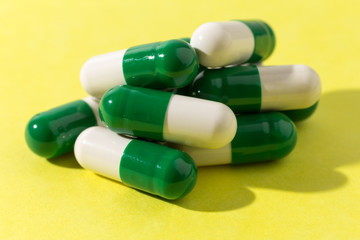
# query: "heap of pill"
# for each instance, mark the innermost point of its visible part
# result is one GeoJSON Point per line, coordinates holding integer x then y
{"type": "Point", "coordinates": [158, 111]}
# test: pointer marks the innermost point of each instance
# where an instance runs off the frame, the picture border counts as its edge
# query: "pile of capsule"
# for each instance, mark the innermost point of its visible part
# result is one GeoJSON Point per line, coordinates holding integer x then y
{"type": "Point", "coordinates": [157, 111]}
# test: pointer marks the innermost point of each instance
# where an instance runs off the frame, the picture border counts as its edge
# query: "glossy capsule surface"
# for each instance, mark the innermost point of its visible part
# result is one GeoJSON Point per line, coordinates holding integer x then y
{"type": "Point", "coordinates": [257, 88]}
{"type": "Point", "coordinates": [165, 116]}
{"type": "Point", "coordinates": [52, 133]}
{"type": "Point", "coordinates": [260, 137]}
{"type": "Point", "coordinates": [150, 167]}
{"type": "Point", "coordinates": [161, 65]}
{"type": "Point", "coordinates": [220, 44]}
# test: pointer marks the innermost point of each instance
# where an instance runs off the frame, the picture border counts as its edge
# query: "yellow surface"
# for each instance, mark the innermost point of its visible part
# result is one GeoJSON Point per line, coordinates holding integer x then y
{"type": "Point", "coordinates": [311, 194]}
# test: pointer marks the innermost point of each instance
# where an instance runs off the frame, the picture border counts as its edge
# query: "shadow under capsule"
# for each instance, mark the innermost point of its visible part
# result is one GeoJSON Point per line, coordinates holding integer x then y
{"type": "Point", "coordinates": [66, 160]}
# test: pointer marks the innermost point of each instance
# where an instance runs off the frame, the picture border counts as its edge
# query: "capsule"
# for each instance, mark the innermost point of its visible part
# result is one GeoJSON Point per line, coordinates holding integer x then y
{"type": "Point", "coordinates": [259, 138]}
{"type": "Point", "coordinates": [52, 133]}
{"type": "Point", "coordinates": [161, 115]}
{"type": "Point", "coordinates": [150, 167]}
{"type": "Point", "coordinates": [255, 88]}
{"type": "Point", "coordinates": [161, 65]}
{"type": "Point", "coordinates": [220, 44]}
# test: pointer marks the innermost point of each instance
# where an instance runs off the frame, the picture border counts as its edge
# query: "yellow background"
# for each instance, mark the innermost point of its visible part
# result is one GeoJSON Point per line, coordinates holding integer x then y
{"type": "Point", "coordinates": [311, 194]}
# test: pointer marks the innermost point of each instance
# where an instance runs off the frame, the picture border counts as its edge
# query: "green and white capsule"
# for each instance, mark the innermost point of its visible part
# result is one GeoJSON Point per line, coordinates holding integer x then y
{"type": "Point", "coordinates": [221, 44]}
{"type": "Point", "coordinates": [259, 138]}
{"type": "Point", "coordinates": [253, 89]}
{"type": "Point", "coordinates": [161, 65]}
{"type": "Point", "coordinates": [52, 133]}
{"type": "Point", "coordinates": [150, 167]}
{"type": "Point", "coordinates": [165, 116]}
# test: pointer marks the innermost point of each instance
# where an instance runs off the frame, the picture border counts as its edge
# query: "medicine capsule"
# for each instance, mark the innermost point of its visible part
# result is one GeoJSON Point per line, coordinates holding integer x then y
{"type": "Point", "coordinates": [259, 138]}
{"type": "Point", "coordinates": [52, 133]}
{"type": "Point", "coordinates": [161, 65]}
{"type": "Point", "coordinates": [161, 115]}
{"type": "Point", "coordinates": [252, 88]}
{"type": "Point", "coordinates": [150, 167]}
{"type": "Point", "coordinates": [220, 44]}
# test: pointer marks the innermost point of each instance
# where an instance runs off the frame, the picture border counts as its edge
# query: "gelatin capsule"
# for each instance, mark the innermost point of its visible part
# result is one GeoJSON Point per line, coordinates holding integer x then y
{"type": "Point", "coordinates": [165, 116]}
{"type": "Point", "coordinates": [150, 167]}
{"type": "Point", "coordinates": [221, 44]}
{"type": "Point", "coordinates": [255, 88]}
{"type": "Point", "coordinates": [52, 133]}
{"type": "Point", "coordinates": [259, 138]}
{"type": "Point", "coordinates": [161, 65]}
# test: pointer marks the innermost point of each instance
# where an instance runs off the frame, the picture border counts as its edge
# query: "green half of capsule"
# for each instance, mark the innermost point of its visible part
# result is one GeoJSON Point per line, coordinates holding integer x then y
{"type": "Point", "coordinates": [263, 137]}
{"type": "Point", "coordinates": [264, 40]}
{"type": "Point", "coordinates": [135, 111]}
{"type": "Point", "coordinates": [161, 65]}
{"type": "Point", "coordinates": [52, 133]}
{"type": "Point", "coordinates": [157, 169]}
{"type": "Point", "coordinates": [237, 87]}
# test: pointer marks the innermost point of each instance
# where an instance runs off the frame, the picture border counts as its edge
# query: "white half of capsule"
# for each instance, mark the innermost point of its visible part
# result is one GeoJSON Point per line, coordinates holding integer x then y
{"type": "Point", "coordinates": [100, 150]}
{"type": "Point", "coordinates": [220, 44]}
{"type": "Point", "coordinates": [198, 122]}
{"type": "Point", "coordinates": [94, 105]}
{"type": "Point", "coordinates": [102, 72]}
{"type": "Point", "coordinates": [289, 87]}
{"type": "Point", "coordinates": [207, 157]}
